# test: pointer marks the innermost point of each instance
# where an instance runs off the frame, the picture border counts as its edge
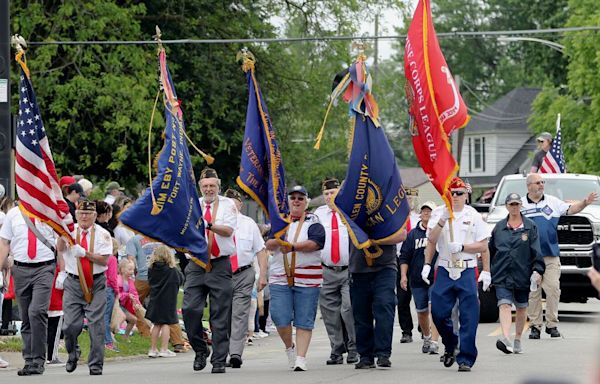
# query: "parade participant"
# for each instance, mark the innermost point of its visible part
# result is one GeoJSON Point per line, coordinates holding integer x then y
{"type": "Point", "coordinates": [516, 261]}
{"type": "Point", "coordinates": [545, 211]}
{"type": "Point", "coordinates": [220, 220]}
{"type": "Point", "coordinates": [296, 276]}
{"type": "Point", "coordinates": [373, 300]}
{"type": "Point", "coordinates": [249, 243]}
{"type": "Point", "coordinates": [113, 190]}
{"type": "Point", "coordinates": [165, 279]}
{"type": "Point", "coordinates": [411, 261]}
{"type": "Point", "coordinates": [72, 197]}
{"type": "Point", "coordinates": [90, 256]}
{"type": "Point", "coordinates": [544, 141]}
{"type": "Point", "coordinates": [404, 295]}
{"type": "Point", "coordinates": [31, 245]}
{"type": "Point", "coordinates": [334, 299]}
{"type": "Point", "coordinates": [458, 242]}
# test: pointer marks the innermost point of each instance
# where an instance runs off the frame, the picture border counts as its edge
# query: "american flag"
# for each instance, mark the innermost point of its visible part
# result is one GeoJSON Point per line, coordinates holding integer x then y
{"type": "Point", "coordinates": [39, 194]}
{"type": "Point", "coordinates": [554, 162]}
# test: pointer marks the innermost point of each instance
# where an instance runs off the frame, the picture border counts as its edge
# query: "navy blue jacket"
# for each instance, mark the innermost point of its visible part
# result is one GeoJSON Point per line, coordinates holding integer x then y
{"type": "Point", "coordinates": [515, 254]}
{"type": "Point", "coordinates": [413, 254]}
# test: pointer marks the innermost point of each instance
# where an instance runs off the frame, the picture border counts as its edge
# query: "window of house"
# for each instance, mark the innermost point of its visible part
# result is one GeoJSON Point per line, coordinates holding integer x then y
{"type": "Point", "coordinates": [477, 154]}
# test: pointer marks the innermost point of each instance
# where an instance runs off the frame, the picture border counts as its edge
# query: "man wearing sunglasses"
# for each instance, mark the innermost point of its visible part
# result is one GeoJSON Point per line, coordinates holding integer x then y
{"type": "Point", "coordinates": [517, 263]}
{"type": "Point", "coordinates": [544, 141]}
{"type": "Point", "coordinates": [458, 241]}
{"type": "Point", "coordinates": [545, 211]}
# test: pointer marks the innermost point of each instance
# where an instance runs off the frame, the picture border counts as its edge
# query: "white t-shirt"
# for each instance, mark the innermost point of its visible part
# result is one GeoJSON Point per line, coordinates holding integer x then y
{"type": "Point", "coordinates": [226, 215]}
{"type": "Point", "coordinates": [468, 227]}
{"type": "Point", "coordinates": [15, 230]}
{"type": "Point", "coordinates": [324, 213]}
{"type": "Point", "coordinates": [102, 245]}
{"type": "Point", "coordinates": [248, 240]}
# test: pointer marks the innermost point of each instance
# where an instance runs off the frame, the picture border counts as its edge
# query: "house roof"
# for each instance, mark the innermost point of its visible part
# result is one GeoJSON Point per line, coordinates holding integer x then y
{"type": "Point", "coordinates": [413, 177]}
{"type": "Point", "coordinates": [509, 113]}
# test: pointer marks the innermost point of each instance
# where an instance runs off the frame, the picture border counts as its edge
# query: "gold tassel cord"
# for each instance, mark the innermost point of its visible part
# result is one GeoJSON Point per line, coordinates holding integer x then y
{"type": "Point", "coordinates": [208, 158]}
{"type": "Point", "coordinates": [334, 95]}
{"type": "Point", "coordinates": [154, 205]}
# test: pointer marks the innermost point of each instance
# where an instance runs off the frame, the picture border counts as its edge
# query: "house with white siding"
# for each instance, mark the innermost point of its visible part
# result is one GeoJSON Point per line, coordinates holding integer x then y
{"type": "Point", "coordinates": [498, 141]}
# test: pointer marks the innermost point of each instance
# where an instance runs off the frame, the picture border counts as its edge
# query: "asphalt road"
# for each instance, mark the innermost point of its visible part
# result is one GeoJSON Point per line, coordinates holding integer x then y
{"type": "Point", "coordinates": [569, 359]}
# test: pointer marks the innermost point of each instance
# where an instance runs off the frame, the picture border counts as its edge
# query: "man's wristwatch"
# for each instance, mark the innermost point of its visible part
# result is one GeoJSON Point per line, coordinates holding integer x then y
{"type": "Point", "coordinates": [209, 226]}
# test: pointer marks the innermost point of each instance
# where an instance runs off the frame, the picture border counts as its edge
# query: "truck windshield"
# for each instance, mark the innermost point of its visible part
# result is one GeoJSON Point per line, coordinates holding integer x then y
{"type": "Point", "coordinates": [564, 189]}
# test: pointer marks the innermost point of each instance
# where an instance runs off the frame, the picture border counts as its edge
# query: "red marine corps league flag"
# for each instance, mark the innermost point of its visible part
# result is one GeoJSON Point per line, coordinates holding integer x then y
{"type": "Point", "coordinates": [435, 105]}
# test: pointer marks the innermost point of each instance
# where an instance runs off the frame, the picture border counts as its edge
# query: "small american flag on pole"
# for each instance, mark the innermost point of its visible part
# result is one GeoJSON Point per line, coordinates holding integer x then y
{"type": "Point", "coordinates": [554, 162]}
{"type": "Point", "coordinates": [39, 194]}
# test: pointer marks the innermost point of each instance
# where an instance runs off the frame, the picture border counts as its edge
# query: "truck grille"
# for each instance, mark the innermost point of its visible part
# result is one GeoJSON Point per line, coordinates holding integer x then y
{"type": "Point", "coordinates": [579, 262]}
{"type": "Point", "coordinates": [574, 230]}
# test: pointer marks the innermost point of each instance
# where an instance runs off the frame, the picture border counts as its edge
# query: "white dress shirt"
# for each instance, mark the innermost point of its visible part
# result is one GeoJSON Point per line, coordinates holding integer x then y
{"type": "Point", "coordinates": [226, 215]}
{"type": "Point", "coordinates": [15, 230]}
{"type": "Point", "coordinates": [248, 240]}
{"type": "Point", "coordinates": [324, 214]}
{"type": "Point", "coordinates": [102, 245]}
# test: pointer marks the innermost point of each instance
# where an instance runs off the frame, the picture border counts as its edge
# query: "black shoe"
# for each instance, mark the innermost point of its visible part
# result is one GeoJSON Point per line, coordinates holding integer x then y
{"type": "Point", "coordinates": [449, 359]}
{"type": "Point", "coordinates": [464, 368]}
{"type": "Point", "coordinates": [534, 333]}
{"type": "Point", "coordinates": [352, 358]}
{"type": "Point", "coordinates": [235, 361]}
{"type": "Point", "coordinates": [95, 371]}
{"type": "Point", "coordinates": [406, 338]}
{"type": "Point", "coordinates": [335, 359]}
{"type": "Point", "coordinates": [218, 368]}
{"type": "Point", "coordinates": [553, 332]}
{"type": "Point", "coordinates": [384, 362]}
{"type": "Point", "coordinates": [72, 363]}
{"type": "Point", "coordinates": [199, 361]}
{"type": "Point", "coordinates": [31, 369]}
{"type": "Point", "coordinates": [364, 364]}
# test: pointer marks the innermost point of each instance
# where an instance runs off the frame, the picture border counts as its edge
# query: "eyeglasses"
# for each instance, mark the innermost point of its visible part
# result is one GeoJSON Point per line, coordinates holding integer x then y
{"type": "Point", "coordinates": [458, 193]}
{"type": "Point", "coordinates": [513, 204]}
{"type": "Point", "coordinates": [299, 198]}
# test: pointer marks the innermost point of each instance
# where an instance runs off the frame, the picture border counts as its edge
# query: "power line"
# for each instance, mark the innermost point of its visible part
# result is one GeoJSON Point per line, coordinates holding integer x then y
{"type": "Point", "coordinates": [455, 34]}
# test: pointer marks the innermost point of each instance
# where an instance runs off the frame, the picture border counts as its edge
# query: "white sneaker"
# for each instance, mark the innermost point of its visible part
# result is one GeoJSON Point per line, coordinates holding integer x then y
{"type": "Point", "coordinates": [3, 363]}
{"type": "Point", "coordinates": [291, 355]}
{"type": "Point", "coordinates": [262, 334]}
{"type": "Point", "coordinates": [300, 365]}
{"type": "Point", "coordinates": [167, 353]}
{"type": "Point", "coordinates": [153, 353]}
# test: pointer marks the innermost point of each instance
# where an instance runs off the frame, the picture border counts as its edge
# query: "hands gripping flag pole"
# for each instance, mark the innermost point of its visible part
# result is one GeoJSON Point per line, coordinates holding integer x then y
{"type": "Point", "coordinates": [371, 201]}
{"type": "Point", "coordinates": [169, 211]}
{"type": "Point", "coordinates": [262, 175]}
{"type": "Point", "coordinates": [436, 107]}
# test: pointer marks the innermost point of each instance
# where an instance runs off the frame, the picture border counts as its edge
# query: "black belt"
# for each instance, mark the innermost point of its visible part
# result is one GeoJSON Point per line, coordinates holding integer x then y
{"type": "Point", "coordinates": [337, 269]}
{"type": "Point", "coordinates": [77, 277]}
{"type": "Point", "coordinates": [34, 265]}
{"type": "Point", "coordinates": [241, 269]}
{"type": "Point", "coordinates": [219, 258]}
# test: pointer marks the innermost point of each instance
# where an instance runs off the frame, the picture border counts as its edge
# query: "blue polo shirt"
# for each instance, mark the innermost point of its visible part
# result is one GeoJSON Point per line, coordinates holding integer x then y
{"type": "Point", "coordinates": [545, 214]}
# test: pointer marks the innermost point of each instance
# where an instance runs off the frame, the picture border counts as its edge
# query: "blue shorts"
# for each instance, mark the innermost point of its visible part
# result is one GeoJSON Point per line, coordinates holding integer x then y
{"type": "Point", "coordinates": [421, 295]}
{"type": "Point", "coordinates": [297, 304]}
{"type": "Point", "coordinates": [518, 297]}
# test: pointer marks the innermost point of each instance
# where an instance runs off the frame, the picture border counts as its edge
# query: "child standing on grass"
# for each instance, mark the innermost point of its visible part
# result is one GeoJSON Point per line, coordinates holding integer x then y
{"type": "Point", "coordinates": [164, 279]}
{"type": "Point", "coordinates": [128, 295]}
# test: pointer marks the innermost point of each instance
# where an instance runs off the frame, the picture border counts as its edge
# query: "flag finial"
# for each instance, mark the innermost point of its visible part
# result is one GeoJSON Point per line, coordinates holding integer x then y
{"type": "Point", "coordinates": [18, 42]}
{"type": "Point", "coordinates": [246, 58]}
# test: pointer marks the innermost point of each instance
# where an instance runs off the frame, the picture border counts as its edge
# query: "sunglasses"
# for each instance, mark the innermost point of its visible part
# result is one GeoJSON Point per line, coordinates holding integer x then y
{"type": "Point", "coordinates": [540, 141]}
{"type": "Point", "coordinates": [458, 193]}
{"type": "Point", "coordinates": [513, 204]}
{"type": "Point", "coordinates": [299, 198]}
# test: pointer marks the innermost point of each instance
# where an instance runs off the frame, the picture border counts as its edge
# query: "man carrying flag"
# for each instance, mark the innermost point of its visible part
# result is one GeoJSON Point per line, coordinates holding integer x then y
{"type": "Point", "coordinates": [372, 204]}
{"type": "Point", "coordinates": [30, 230]}
{"type": "Point", "coordinates": [437, 109]}
{"type": "Point", "coordinates": [553, 160]}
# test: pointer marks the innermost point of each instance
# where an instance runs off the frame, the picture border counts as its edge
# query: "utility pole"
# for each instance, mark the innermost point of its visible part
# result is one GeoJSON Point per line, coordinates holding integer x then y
{"type": "Point", "coordinates": [376, 48]}
{"type": "Point", "coordinates": [6, 131]}
{"type": "Point", "coordinates": [459, 135]}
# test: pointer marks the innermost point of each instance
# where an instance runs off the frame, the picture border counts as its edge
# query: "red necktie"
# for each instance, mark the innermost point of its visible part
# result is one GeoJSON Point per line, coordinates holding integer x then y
{"type": "Point", "coordinates": [335, 239]}
{"type": "Point", "coordinates": [234, 258]}
{"type": "Point", "coordinates": [408, 226]}
{"type": "Point", "coordinates": [31, 242]}
{"type": "Point", "coordinates": [86, 266]}
{"type": "Point", "coordinates": [214, 249]}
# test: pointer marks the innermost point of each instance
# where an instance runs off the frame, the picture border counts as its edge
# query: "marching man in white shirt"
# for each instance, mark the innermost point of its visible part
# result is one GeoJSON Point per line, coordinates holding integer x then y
{"type": "Point", "coordinates": [455, 278]}
{"type": "Point", "coordinates": [334, 299]}
{"type": "Point", "coordinates": [249, 244]}
{"type": "Point", "coordinates": [85, 287]}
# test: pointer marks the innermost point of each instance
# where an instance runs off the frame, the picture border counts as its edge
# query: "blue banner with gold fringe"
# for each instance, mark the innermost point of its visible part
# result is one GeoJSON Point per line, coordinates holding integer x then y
{"type": "Point", "coordinates": [262, 175]}
{"type": "Point", "coordinates": [169, 211]}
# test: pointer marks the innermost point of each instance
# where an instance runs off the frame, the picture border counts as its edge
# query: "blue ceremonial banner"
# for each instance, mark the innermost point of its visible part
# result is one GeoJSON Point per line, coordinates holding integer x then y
{"type": "Point", "coordinates": [169, 211]}
{"type": "Point", "coordinates": [371, 201]}
{"type": "Point", "coordinates": [261, 169]}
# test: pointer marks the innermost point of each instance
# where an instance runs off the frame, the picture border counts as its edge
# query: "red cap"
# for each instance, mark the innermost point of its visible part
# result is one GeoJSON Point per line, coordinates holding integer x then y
{"type": "Point", "coordinates": [66, 180]}
{"type": "Point", "coordinates": [457, 183]}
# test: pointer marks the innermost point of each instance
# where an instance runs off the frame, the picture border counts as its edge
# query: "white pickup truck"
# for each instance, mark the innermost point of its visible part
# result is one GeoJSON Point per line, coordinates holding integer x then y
{"type": "Point", "coordinates": [576, 233]}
